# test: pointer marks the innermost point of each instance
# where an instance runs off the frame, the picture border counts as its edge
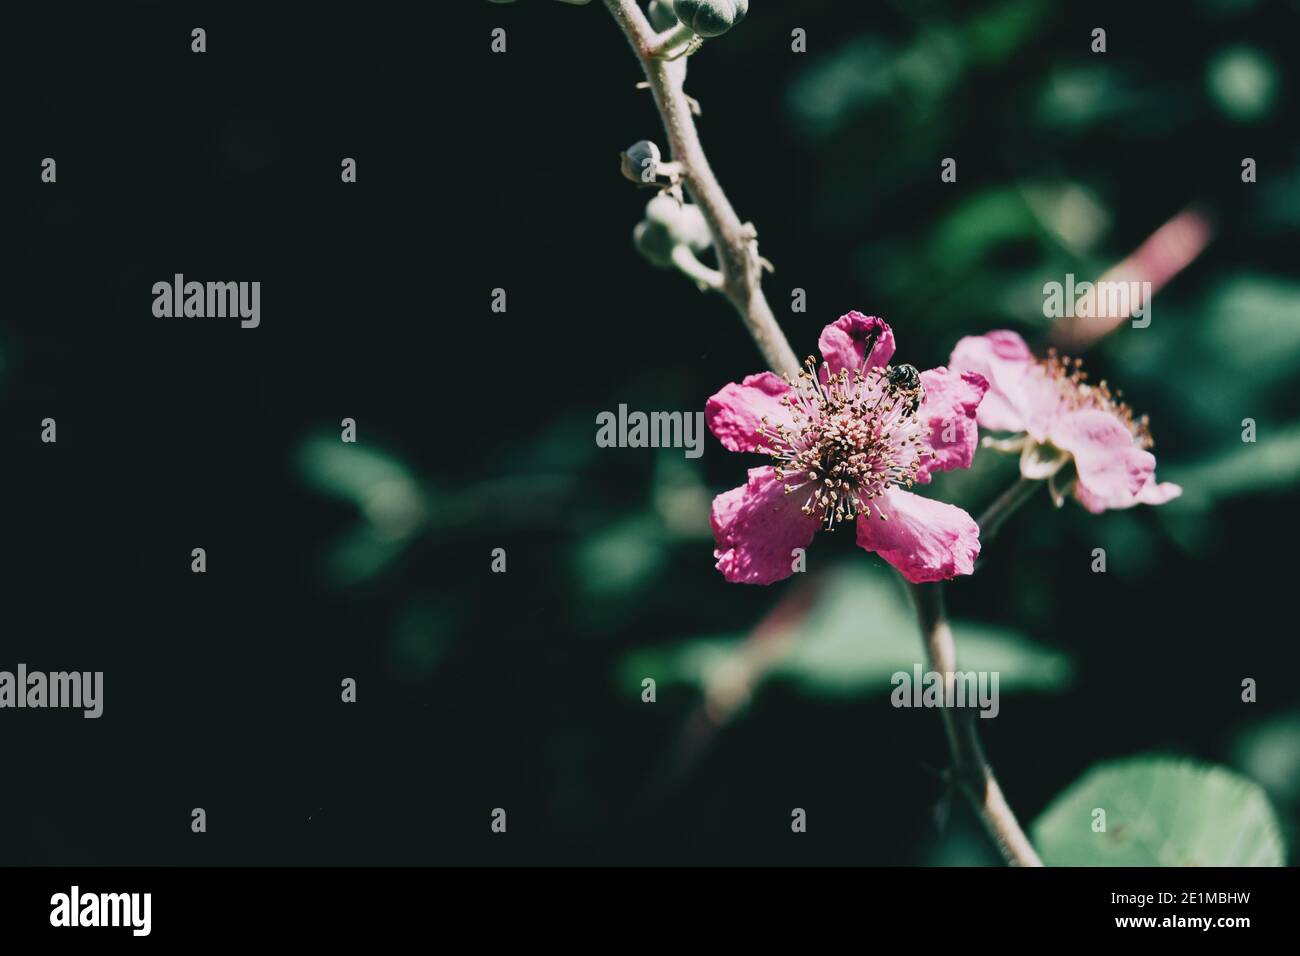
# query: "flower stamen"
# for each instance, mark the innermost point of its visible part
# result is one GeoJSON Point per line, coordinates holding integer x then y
{"type": "Point", "coordinates": [851, 436]}
{"type": "Point", "coordinates": [1078, 393]}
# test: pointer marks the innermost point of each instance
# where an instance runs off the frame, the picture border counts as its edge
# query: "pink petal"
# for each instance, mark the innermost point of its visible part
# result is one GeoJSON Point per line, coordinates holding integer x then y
{"type": "Point", "coordinates": [1152, 493]}
{"type": "Point", "coordinates": [735, 413]}
{"type": "Point", "coordinates": [1020, 397]}
{"type": "Point", "coordinates": [1157, 493]}
{"type": "Point", "coordinates": [1112, 469]}
{"type": "Point", "coordinates": [843, 343]}
{"type": "Point", "coordinates": [926, 540]}
{"type": "Point", "coordinates": [756, 526]}
{"type": "Point", "coordinates": [949, 408]}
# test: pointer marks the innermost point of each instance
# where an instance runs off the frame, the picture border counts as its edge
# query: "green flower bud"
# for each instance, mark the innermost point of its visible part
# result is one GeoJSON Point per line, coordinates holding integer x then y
{"type": "Point", "coordinates": [640, 162]}
{"type": "Point", "coordinates": [668, 224]}
{"type": "Point", "coordinates": [683, 221]}
{"type": "Point", "coordinates": [661, 15]}
{"type": "Point", "coordinates": [654, 243]}
{"type": "Point", "coordinates": [710, 18]}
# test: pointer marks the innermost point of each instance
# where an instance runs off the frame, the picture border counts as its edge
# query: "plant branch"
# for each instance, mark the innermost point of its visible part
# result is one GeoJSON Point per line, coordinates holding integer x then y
{"type": "Point", "coordinates": [970, 769]}
{"type": "Point", "coordinates": [741, 267]}
{"type": "Point", "coordinates": [735, 242]}
{"type": "Point", "coordinates": [1005, 504]}
{"type": "Point", "coordinates": [697, 271]}
{"type": "Point", "coordinates": [678, 37]}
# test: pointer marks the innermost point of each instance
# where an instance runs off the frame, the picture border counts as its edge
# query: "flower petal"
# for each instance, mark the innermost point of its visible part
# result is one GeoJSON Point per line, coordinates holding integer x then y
{"type": "Point", "coordinates": [1157, 493]}
{"type": "Point", "coordinates": [926, 540]}
{"type": "Point", "coordinates": [1112, 468]}
{"type": "Point", "coordinates": [1152, 493]}
{"type": "Point", "coordinates": [1020, 397]}
{"type": "Point", "coordinates": [756, 526]}
{"type": "Point", "coordinates": [735, 413]}
{"type": "Point", "coordinates": [949, 408]}
{"type": "Point", "coordinates": [843, 343]}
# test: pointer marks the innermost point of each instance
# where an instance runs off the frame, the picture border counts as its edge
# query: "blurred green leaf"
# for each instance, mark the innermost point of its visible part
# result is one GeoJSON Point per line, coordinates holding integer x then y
{"type": "Point", "coordinates": [1160, 811]}
{"type": "Point", "coordinates": [861, 632]}
{"type": "Point", "coordinates": [695, 662]}
{"type": "Point", "coordinates": [681, 498]}
{"type": "Point", "coordinates": [1235, 352]}
{"type": "Point", "coordinates": [1251, 326]}
{"type": "Point", "coordinates": [978, 225]}
{"type": "Point", "coordinates": [1270, 463]}
{"type": "Point", "coordinates": [961, 844]}
{"type": "Point", "coordinates": [622, 556]}
{"type": "Point", "coordinates": [1075, 98]}
{"type": "Point", "coordinates": [1280, 201]}
{"type": "Point", "coordinates": [852, 78]}
{"type": "Point", "coordinates": [916, 79]}
{"type": "Point", "coordinates": [1242, 82]}
{"type": "Point", "coordinates": [1270, 753]}
{"type": "Point", "coordinates": [360, 553]}
{"type": "Point", "coordinates": [383, 488]}
{"type": "Point", "coordinates": [997, 32]}
{"type": "Point", "coordinates": [391, 501]}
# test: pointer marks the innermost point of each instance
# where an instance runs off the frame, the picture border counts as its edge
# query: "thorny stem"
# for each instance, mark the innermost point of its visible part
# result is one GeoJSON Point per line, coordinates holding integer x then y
{"type": "Point", "coordinates": [692, 267]}
{"type": "Point", "coordinates": [971, 771]}
{"type": "Point", "coordinates": [679, 36]}
{"type": "Point", "coordinates": [733, 240]}
{"type": "Point", "coordinates": [736, 246]}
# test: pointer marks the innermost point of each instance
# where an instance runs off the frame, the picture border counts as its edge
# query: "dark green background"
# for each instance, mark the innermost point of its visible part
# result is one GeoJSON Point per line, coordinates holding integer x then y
{"type": "Point", "coordinates": [479, 171]}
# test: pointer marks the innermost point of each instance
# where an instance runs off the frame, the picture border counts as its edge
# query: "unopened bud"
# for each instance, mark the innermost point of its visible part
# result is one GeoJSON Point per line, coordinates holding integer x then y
{"type": "Point", "coordinates": [683, 221]}
{"type": "Point", "coordinates": [640, 162]}
{"type": "Point", "coordinates": [661, 15]}
{"type": "Point", "coordinates": [710, 18]}
{"type": "Point", "coordinates": [668, 224]}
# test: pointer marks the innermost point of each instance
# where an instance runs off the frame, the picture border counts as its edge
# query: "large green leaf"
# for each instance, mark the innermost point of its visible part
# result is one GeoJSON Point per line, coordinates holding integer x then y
{"type": "Point", "coordinates": [1160, 811]}
{"type": "Point", "coordinates": [861, 632]}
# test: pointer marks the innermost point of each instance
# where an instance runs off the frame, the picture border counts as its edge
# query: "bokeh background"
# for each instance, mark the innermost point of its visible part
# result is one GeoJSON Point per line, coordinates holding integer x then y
{"type": "Point", "coordinates": [523, 690]}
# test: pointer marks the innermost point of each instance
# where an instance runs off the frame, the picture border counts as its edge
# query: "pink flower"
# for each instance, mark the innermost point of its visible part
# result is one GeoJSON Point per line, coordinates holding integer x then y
{"type": "Point", "coordinates": [1059, 418]}
{"type": "Point", "coordinates": [847, 440]}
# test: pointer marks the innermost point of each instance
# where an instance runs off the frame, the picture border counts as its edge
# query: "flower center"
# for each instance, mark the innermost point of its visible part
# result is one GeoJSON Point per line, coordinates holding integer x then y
{"type": "Point", "coordinates": [1078, 393]}
{"type": "Point", "coordinates": [849, 437]}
